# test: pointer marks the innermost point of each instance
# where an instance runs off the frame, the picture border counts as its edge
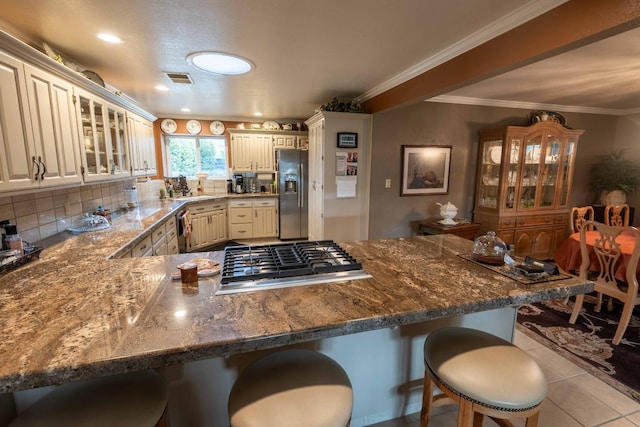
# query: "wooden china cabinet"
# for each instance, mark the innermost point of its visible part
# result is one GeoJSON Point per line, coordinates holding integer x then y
{"type": "Point", "coordinates": [523, 184]}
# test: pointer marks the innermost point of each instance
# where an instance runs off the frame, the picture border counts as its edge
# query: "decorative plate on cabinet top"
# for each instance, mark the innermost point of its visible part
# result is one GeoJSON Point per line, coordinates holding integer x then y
{"type": "Point", "coordinates": [194, 127]}
{"type": "Point", "coordinates": [217, 128]}
{"type": "Point", "coordinates": [168, 126]}
{"type": "Point", "coordinates": [269, 125]}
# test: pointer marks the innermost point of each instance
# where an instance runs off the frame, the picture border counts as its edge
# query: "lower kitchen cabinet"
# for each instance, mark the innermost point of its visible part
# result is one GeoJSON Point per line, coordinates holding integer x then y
{"type": "Point", "coordinates": [252, 219]}
{"type": "Point", "coordinates": [208, 226]}
{"type": "Point", "coordinates": [265, 218]}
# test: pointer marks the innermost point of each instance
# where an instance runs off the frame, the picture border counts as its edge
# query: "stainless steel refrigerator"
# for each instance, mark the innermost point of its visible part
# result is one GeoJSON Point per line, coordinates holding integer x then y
{"type": "Point", "coordinates": [292, 186]}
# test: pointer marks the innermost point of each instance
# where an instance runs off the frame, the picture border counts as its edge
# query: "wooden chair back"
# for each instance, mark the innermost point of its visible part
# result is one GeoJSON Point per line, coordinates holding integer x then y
{"type": "Point", "coordinates": [609, 254]}
{"type": "Point", "coordinates": [580, 215]}
{"type": "Point", "coordinates": [616, 215]}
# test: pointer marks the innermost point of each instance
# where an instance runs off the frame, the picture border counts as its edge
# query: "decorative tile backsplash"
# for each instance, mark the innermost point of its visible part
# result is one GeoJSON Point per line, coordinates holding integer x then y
{"type": "Point", "coordinates": [40, 215]}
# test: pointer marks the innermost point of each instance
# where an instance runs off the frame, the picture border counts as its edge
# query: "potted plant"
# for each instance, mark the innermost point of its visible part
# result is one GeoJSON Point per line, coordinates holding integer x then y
{"type": "Point", "coordinates": [613, 176]}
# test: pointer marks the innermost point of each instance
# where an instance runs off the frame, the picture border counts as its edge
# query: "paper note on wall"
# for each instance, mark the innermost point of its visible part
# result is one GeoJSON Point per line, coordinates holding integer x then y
{"type": "Point", "coordinates": [346, 186]}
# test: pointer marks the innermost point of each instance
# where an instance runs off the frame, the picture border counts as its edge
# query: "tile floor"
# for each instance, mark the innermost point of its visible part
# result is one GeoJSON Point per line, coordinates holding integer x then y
{"type": "Point", "coordinates": [575, 398]}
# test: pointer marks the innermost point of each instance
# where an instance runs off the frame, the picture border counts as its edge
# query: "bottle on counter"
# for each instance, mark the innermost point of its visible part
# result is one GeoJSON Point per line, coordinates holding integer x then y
{"type": "Point", "coordinates": [13, 239]}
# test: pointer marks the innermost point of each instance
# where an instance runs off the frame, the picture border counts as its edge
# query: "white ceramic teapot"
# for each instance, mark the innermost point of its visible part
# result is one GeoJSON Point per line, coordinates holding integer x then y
{"type": "Point", "coordinates": [448, 211]}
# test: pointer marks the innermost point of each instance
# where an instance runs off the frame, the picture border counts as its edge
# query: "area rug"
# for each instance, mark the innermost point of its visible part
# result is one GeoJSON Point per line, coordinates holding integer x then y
{"type": "Point", "coordinates": [588, 342]}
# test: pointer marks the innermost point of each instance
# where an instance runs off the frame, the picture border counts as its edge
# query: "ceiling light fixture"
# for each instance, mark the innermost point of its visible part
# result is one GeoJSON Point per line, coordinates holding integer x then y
{"type": "Point", "coordinates": [257, 114]}
{"type": "Point", "coordinates": [109, 38]}
{"type": "Point", "coordinates": [162, 88]}
{"type": "Point", "coordinates": [185, 109]}
{"type": "Point", "coordinates": [219, 63]}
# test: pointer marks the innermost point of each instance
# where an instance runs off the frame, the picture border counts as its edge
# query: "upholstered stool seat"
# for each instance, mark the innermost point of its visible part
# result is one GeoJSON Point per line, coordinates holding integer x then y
{"type": "Point", "coordinates": [484, 374]}
{"type": "Point", "coordinates": [291, 388]}
{"type": "Point", "coordinates": [137, 399]}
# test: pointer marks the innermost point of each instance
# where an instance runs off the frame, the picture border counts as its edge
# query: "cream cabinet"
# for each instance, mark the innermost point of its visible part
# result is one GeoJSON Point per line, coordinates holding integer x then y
{"type": "Point", "coordinates": [523, 184]}
{"type": "Point", "coordinates": [291, 141]}
{"type": "Point", "coordinates": [142, 145]}
{"type": "Point", "coordinates": [251, 151]}
{"type": "Point", "coordinates": [208, 225]}
{"type": "Point", "coordinates": [104, 145]}
{"type": "Point", "coordinates": [38, 142]}
{"type": "Point", "coordinates": [252, 219]}
{"type": "Point", "coordinates": [265, 218]}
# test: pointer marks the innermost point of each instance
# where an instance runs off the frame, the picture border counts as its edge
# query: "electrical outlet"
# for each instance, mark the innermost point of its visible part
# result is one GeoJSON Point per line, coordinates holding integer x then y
{"type": "Point", "coordinates": [387, 183]}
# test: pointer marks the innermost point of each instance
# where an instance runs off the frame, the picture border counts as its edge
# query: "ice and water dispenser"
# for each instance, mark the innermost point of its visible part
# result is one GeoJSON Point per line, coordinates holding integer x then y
{"type": "Point", "coordinates": [290, 183]}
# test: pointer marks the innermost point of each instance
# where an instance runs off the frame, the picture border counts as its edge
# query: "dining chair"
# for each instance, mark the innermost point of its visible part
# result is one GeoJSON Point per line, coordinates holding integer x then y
{"type": "Point", "coordinates": [580, 215]}
{"type": "Point", "coordinates": [608, 252]}
{"type": "Point", "coordinates": [616, 215]}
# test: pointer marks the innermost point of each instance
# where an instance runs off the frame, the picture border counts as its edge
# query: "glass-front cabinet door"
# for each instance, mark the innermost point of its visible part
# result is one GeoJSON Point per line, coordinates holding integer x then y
{"type": "Point", "coordinates": [119, 162]}
{"type": "Point", "coordinates": [95, 147]}
{"type": "Point", "coordinates": [565, 170]}
{"type": "Point", "coordinates": [489, 175]}
{"type": "Point", "coordinates": [541, 173]}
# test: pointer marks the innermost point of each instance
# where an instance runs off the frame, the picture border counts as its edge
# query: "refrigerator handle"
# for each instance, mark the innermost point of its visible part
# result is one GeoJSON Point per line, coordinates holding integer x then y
{"type": "Point", "coordinates": [299, 182]}
{"type": "Point", "coordinates": [301, 189]}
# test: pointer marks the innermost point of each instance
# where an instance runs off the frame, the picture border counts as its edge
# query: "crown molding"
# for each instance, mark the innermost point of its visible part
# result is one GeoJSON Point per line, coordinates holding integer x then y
{"type": "Point", "coordinates": [450, 99]}
{"type": "Point", "coordinates": [506, 23]}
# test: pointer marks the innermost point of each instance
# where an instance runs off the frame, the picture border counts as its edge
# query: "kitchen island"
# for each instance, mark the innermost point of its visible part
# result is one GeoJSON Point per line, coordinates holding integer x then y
{"type": "Point", "coordinates": [78, 313]}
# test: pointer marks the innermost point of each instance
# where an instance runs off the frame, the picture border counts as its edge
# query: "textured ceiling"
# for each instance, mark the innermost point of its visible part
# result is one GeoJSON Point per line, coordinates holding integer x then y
{"type": "Point", "coordinates": [306, 52]}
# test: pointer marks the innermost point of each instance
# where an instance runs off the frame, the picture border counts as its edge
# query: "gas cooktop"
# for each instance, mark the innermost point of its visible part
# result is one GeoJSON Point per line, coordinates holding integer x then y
{"type": "Point", "coordinates": [248, 268]}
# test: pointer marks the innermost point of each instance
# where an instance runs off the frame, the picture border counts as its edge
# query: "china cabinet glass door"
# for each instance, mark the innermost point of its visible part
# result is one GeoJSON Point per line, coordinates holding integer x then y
{"type": "Point", "coordinates": [489, 188]}
{"type": "Point", "coordinates": [513, 162]}
{"type": "Point", "coordinates": [550, 162]}
{"type": "Point", "coordinates": [566, 170]}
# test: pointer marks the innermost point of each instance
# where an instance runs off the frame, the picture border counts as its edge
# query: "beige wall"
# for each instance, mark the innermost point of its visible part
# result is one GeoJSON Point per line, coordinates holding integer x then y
{"type": "Point", "coordinates": [457, 125]}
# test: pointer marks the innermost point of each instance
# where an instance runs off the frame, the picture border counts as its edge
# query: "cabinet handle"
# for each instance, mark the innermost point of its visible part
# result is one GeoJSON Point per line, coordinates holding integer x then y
{"type": "Point", "coordinates": [242, 216]}
{"type": "Point", "coordinates": [37, 168]}
{"type": "Point", "coordinates": [255, 214]}
{"type": "Point", "coordinates": [547, 221]}
{"type": "Point", "coordinates": [44, 168]}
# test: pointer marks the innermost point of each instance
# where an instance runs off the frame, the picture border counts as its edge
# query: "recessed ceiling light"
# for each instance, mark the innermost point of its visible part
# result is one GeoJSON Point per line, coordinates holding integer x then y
{"type": "Point", "coordinates": [257, 113]}
{"type": "Point", "coordinates": [185, 109]}
{"type": "Point", "coordinates": [219, 63]}
{"type": "Point", "coordinates": [109, 38]}
{"type": "Point", "coordinates": [162, 87]}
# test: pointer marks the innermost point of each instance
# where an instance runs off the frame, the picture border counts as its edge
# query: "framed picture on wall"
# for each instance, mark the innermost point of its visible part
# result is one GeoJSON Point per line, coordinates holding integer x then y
{"type": "Point", "coordinates": [347, 140]}
{"type": "Point", "coordinates": [425, 169]}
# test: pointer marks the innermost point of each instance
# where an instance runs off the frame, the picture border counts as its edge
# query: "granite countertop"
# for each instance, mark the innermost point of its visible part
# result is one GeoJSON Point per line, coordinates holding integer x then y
{"type": "Point", "coordinates": [75, 314]}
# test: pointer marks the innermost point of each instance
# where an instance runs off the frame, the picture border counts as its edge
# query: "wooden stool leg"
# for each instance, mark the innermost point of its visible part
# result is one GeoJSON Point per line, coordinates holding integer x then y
{"type": "Point", "coordinates": [427, 401]}
{"type": "Point", "coordinates": [465, 414]}
{"type": "Point", "coordinates": [477, 419]}
{"type": "Point", "coordinates": [532, 421]}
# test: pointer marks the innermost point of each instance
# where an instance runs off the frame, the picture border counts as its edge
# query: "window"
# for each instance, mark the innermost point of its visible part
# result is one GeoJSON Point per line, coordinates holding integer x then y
{"type": "Point", "coordinates": [188, 155]}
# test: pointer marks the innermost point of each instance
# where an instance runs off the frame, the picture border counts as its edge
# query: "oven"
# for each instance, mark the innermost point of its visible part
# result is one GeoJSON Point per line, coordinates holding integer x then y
{"type": "Point", "coordinates": [247, 268]}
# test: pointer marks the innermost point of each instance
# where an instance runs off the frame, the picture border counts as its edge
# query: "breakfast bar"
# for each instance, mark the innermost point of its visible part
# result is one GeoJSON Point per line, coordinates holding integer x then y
{"type": "Point", "coordinates": [78, 312]}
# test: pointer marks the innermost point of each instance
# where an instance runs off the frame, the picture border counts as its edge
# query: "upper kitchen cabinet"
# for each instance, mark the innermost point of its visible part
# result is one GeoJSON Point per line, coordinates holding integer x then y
{"type": "Point", "coordinates": [523, 183]}
{"type": "Point", "coordinates": [251, 151]}
{"type": "Point", "coordinates": [39, 142]}
{"type": "Point", "coordinates": [142, 145]}
{"type": "Point", "coordinates": [291, 141]}
{"type": "Point", "coordinates": [55, 123]}
{"type": "Point", "coordinates": [104, 143]}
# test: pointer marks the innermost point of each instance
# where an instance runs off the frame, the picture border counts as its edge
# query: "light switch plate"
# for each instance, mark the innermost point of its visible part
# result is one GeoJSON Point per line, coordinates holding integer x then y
{"type": "Point", "coordinates": [387, 183]}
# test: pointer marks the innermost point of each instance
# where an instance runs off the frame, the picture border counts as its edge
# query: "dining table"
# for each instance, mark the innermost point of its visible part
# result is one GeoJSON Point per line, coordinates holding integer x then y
{"type": "Point", "coordinates": [569, 258]}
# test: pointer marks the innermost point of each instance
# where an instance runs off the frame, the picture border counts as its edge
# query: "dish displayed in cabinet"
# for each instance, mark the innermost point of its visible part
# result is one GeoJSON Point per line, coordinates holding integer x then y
{"type": "Point", "coordinates": [495, 154]}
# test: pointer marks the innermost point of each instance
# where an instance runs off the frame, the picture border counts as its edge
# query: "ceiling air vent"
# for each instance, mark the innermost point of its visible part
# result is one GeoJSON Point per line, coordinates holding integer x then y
{"type": "Point", "coordinates": [182, 78]}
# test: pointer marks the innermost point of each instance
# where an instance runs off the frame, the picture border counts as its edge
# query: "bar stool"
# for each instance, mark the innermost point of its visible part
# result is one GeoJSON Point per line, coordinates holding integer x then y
{"type": "Point", "coordinates": [291, 388]}
{"type": "Point", "coordinates": [137, 399]}
{"type": "Point", "coordinates": [484, 375]}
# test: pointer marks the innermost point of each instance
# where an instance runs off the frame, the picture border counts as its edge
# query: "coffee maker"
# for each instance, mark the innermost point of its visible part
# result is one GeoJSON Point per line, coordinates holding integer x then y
{"type": "Point", "coordinates": [238, 183]}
